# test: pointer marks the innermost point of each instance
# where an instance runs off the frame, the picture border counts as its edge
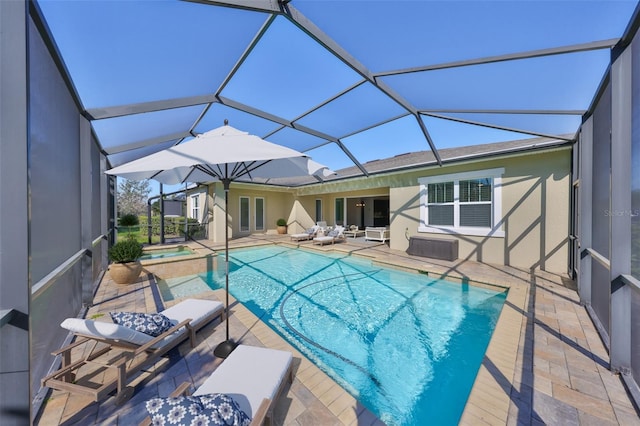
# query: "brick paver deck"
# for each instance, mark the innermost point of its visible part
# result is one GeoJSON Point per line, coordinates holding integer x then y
{"type": "Point", "coordinates": [545, 363]}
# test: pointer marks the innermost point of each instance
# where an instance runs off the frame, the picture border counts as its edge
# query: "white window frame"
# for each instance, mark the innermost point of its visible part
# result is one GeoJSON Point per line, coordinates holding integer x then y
{"type": "Point", "coordinates": [195, 207]}
{"type": "Point", "coordinates": [496, 196]}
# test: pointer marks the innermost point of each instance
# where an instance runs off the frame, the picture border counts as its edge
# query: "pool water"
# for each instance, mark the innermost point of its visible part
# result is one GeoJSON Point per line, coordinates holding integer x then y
{"type": "Point", "coordinates": [163, 253]}
{"type": "Point", "coordinates": [406, 346]}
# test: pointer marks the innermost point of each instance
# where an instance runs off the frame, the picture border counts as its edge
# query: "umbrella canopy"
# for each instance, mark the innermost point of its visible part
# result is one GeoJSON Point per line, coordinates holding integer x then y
{"type": "Point", "coordinates": [224, 154]}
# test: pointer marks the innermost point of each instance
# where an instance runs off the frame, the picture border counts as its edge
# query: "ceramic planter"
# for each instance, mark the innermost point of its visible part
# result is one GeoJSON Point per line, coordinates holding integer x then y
{"type": "Point", "coordinates": [125, 273]}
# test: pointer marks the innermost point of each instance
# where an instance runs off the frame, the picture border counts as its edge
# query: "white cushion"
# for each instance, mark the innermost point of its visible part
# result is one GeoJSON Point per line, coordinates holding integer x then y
{"type": "Point", "coordinates": [249, 375]}
{"type": "Point", "coordinates": [105, 330]}
{"type": "Point", "coordinates": [300, 236]}
{"type": "Point", "coordinates": [196, 309]}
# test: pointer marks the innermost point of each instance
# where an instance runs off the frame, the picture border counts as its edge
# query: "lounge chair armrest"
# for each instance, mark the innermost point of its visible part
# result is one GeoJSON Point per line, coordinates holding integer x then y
{"type": "Point", "coordinates": [183, 390]}
{"type": "Point", "coordinates": [261, 413]}
{"type": "Point", "coordinates": [147, 346]}
{"type": "Point", "coordinates": [77, 342]}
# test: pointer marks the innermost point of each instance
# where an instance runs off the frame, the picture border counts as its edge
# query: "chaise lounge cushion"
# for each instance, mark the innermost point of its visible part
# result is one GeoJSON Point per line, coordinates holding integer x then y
{"type": "Point", "coordinates": [151, 324]}
{"type": "Point", "coordinates": [199, 310]}
{"type": "Point", "coordinates": [105, 330]}
{"type": "Point", "coordinates": [249, 375]}
{"type": "Point", "coordinates": [215, 409]}
{"type": "Point", "coordinates": [306, 235]}
{"type": "Point", "coordinates": [331, 237]}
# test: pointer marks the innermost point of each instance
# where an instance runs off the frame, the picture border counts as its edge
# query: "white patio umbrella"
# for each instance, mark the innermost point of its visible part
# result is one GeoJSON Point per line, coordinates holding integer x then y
{"type": "Point", "coordinates": [224, 154]}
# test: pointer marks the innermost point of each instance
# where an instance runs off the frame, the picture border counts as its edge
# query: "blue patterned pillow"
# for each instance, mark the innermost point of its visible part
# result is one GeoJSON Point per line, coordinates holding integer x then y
{"type": "Point", "coordinates": [224, 410]}
{"type": "Point", "coordinates": [184, 410]}
{"type": "Point", "coordinates": [213, 409]}
{"type": "Point", "coordinates": [151, 324]}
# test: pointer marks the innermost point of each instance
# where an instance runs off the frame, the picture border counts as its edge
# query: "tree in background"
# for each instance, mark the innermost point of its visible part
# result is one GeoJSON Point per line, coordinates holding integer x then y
{"type": "Point", "coordinates": [132, 196]}
{"type": "Point", "coordinates": [155, 207]}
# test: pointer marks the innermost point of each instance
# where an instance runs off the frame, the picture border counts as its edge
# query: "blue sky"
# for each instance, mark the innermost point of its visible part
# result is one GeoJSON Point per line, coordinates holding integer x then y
{"type": "Point", "coordinates": [132, 51]}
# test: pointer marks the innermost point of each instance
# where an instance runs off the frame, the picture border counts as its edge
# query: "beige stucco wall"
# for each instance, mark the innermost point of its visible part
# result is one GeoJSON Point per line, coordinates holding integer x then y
{"type": "Point", "coordinates": [278, 202]}
{"type": "Point", "coordinates": [535, 208]}
{"type": "Point", "coordinates": [535, 212]}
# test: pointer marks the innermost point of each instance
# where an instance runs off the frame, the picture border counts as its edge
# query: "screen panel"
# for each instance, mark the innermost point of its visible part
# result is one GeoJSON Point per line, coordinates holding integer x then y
{"type": "Point", "coordinates": [601, 202]}
{"type": "Point", "coordinates": [54, 163]}
{"type": "Point", "coordinates": [635, 158]}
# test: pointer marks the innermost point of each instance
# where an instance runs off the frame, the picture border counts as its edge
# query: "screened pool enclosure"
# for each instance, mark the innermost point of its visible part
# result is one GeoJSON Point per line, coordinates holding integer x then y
{"type": "Point", "coordinates": [87, 86]}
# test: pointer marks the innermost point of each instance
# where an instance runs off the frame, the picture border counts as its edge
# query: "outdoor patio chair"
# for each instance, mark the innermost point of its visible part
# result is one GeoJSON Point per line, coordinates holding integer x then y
{"type": "Point", "coordinates": [377, 233]}
{"type": "Point", "coordinates": [109, 353]}
{"type": "Point", "coordinates": [253, 377]}
{"type": "Point", "coordinates": [306, 235]}
{"type": "Point", "coordinates": [336, 234]}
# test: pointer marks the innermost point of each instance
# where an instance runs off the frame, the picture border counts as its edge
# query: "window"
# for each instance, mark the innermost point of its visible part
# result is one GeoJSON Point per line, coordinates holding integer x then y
{"type": "Point", "coordinates": [259, 214]}
{"type": "Point", "coordinates": [463, 203]}
{"type": "Point", "coordinates": [195, 207]}
{"type": "Point", "coordinates": [475, 202]}
{"type": "Point", "coordinates": [440, 203]}
{"type": "Point", "coordinates": [244, 214]}
{"type": "Point", "coordinates": [319, 210]}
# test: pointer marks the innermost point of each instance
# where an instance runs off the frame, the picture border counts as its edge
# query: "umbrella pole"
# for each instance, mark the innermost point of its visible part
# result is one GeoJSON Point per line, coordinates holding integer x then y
{"type": "Point", "coordinates": [225, 348]}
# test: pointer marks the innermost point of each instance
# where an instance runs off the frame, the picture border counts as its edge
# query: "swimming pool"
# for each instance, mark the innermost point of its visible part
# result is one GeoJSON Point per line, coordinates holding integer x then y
{"type": "Point", "coordinates": [405, 345]}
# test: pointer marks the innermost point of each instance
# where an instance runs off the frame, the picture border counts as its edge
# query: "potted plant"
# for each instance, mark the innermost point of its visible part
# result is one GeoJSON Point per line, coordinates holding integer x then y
{"type": "Point", "coordinates": [282, 226]}
{"type": "Point", "coordinates": [125, 257]}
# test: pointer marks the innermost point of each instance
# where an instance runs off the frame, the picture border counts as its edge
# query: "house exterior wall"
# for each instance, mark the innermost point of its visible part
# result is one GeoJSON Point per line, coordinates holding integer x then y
{"type": "Point", "coordinates": [535, 206]}
{"type": "Point", "coordinates": [278, 203]}
{"type": "Point", "coordinates": [535, 211]}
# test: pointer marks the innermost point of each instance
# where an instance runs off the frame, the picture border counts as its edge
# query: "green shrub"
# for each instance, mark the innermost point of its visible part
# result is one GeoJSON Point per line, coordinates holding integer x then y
{"type": "Point", "coordinates": [173, 225]}
{"type": "Point", "coordinates": [128, 250]}
{"type": "Point", "coordinates": [281, 222]}
{"type": "Point", "coordinates": [129, 219]}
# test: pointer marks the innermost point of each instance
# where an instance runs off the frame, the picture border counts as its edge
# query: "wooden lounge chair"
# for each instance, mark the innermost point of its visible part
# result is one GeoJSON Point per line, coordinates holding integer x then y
{"type": "Point", "coordinates": [108, 354]}
{"type": "Point", "coordinates": [252, 376]}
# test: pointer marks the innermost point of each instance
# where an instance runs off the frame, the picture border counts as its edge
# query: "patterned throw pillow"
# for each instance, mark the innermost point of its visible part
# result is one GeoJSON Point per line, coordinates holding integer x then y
{"type": "Point", "coordinates": [184, 410]}
{"type": "Point", "coordinates": [151, 324]}
{"type": "Point", "coordinates": [213, 409]}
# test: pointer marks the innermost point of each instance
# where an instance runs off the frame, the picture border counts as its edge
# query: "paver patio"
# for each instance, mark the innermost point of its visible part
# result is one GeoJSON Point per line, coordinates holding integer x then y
{"type": "Point", "coordinates": [545, 364]}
